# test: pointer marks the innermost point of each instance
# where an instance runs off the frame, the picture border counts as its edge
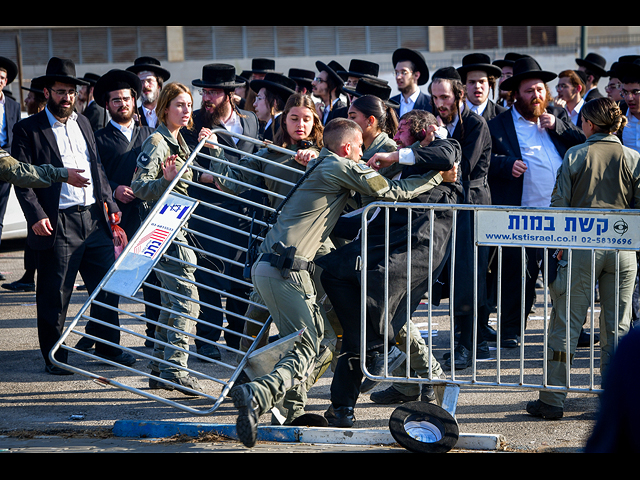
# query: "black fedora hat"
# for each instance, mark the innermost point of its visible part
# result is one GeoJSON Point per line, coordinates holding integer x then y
{"type": "Point", "coordinates": [149, 64]}
{"type": "Point", "coordinates": [262, 65]}
{"type": "Point", "coordinates": [332, 68]}
{"type": "Point", "coordinates": [629, 71]}
{"type": "Point", "coordinates": [406, 54]}
{"type": "Point", "coordinates": [447, 73]}
{"type": "Point", "coordinates": [361, 69]}
{"type": "Point", "coordinates": [302, 77]}
{"type": "Point", "coordinates": [90, 78]}
{"type": "Point", "coordinates": [615, 70]}
{"type": "Point", "coordinates": [115, 80]}
{"type": "Point", "coordinates": [36, 86]}
{"type": "Point", "coordinates": [508, 60]}
{"type": "Point", "coordinates": [524, 69]}
{"type": "Point", "coordinates": [11, 68]}
{"type": "Point", "coordinates": [594, 62]}
{"type": "Point", "coordinates": [62, 70]}
{"type": "Point", "coordinates": [219, 75]}
{"type": "Point", "coordinates": [478, 61]}
{"type": "Point", "coordinates": [375, 87]}
{"type": "Point", "coordinates": [276, 83]}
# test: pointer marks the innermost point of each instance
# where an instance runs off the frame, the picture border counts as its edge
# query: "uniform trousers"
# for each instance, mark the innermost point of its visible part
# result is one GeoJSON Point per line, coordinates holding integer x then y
{"type": "Point", "coordinates": [83, 246]}
{"type": "Point", "coordinates": [292, 304]}
{"type": "Point", "coordinates": [176, 277]}
{"type": "Point", "coordinates": [580, 301]}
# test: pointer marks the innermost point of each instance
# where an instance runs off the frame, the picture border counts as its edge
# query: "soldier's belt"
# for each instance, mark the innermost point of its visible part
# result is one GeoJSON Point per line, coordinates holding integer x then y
{"type": "Point", "coordinates": [294, 265]}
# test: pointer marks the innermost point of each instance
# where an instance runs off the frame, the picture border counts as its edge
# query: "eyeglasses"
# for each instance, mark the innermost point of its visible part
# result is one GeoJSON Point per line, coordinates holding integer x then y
{"type": "Point", "coordinates": [613, 86]}
{"type": "Point", "coordinates": [403, 73]}
{"type": "Point", "coordinates": [319, 80]}
{"type": "Point", "coordinates": [210, 93]}
{"type": "Point", "coordinates": [626, 93]}
{"type": "Point", "coordinates": [64, 93]}
{"type": "Point", "coordinates": [120, 101]}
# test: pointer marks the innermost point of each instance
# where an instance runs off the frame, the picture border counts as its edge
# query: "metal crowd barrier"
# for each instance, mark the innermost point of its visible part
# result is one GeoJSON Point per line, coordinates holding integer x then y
{"type": "Point", "coordinates": [509, 227]}
{"type": "Point", "coordinates": [138, 261]}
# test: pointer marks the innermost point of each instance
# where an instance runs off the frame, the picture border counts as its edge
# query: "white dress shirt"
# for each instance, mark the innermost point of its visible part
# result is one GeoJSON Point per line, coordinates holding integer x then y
{"type": "Point", "coordinates": [126, 130]}
{"type": "Point", "coordinates": [75, 154]}
{"type": "Point", "coordinates": [542, 160]}
{"type": "Point", "coordinates": [234, 125]}
{"type": "Point", "coordinates": [151, 116]}
{"type": "Point", "coordinates": [407, 104]}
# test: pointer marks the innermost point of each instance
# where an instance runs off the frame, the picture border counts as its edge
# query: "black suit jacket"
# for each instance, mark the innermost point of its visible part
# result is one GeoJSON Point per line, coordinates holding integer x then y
{"type": "Point", "coordinates": [505, 188]}
{"type": "Point", "coordinates": [492, 111]}
{"type": "Point", "coordinates": [423, 102]}
{"type": "Point", "coordinates": [119, 158]}
{"type": "Point", "coordinates": [35, 143]}
{"type": "Point", "coordinates": [97, 116]}
{"type": "Point", "coordinates": [12, 112]}
{"type": "Point", "coordinates": [593, 94]}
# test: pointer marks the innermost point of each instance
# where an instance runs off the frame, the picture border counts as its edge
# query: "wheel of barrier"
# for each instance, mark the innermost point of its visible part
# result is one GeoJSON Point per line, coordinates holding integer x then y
{"type": "Point", "coordinates": [422, 427]}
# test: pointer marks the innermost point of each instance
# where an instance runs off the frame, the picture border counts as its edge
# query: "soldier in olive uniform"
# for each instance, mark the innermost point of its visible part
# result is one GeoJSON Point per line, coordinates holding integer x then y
{"type": "Point", "coordinates": [282, 273]}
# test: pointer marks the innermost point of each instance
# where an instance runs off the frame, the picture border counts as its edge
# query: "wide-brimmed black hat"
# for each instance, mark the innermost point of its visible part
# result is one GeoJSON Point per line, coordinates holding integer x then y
{"type": "Point", "coordinates": [594, 63]}
{"type": "Point", "coordinates": [447, 73]}
{"type": "Point", "coordinates": [478, 61]}
{"type": "Point", "coordinates": [150, 64]}
{"type": "Point", "coordinates": [276, 83]}
{"type": "Point", "coordinates": [62, 70]}
{"type": "Point", "coordinates": [36, 86]}
{"type": "Point", "coordinates": [332, 68]}
{"type": "Point", "coordinates": [629, 71]}
{"type": "Point", "coordinates": [90, 78]}
{"type": "Point", "coordinates": [375, 87]}
{"type": "Point", "coordinates": [11, 68]}
{"type": "Point", "coordinates": [614, 71]}
{"type": "Point", "coordinates": [262, 66]}
{"type": "Point", "coordinates": [219, 75]}
{"type": "Point", "coordinates": [508, 60]}
{"type": "Point", "coordinates": [524, 69]}
{"type": "Point", "coordinates": [361, 69]}
{"type": "Point", "coordinates": [302, 77]}
{"type": "Point", "coordinates": [115, 80]}
{"type": "Point", "coordinates": [406, 54]}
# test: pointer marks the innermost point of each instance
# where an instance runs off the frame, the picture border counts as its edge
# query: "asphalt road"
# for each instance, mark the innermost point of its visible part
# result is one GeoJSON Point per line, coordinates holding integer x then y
{"type": "Point", "coordinates": [73, 413]}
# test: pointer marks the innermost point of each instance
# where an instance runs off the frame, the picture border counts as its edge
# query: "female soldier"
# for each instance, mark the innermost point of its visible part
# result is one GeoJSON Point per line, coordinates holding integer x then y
{"type": "Point", "coordinates": [161, 158]}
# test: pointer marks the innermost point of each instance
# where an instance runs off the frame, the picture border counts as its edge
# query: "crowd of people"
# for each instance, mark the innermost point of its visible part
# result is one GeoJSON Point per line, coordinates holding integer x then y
{"type": "Point", "coordinates": [96, 151]}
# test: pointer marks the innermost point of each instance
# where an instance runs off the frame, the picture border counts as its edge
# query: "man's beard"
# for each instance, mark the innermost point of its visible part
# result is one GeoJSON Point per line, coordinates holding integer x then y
{"type": "Point", "coordinates": [149, 98]}
{"type": "Point", "coordinates": [213, 118]}
{"type": "Point", "coordinates": [531, 111]}
{"type": "Point", "coordinates": [447, 116]}
{"type": "Point", "coordinates": [121, 117]}
{"type": "Point", "coordinates": [59, 111]}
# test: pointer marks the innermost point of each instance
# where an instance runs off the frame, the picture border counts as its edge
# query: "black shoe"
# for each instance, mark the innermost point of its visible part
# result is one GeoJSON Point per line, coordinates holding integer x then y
{"type": "Point", "coordinates": [482, 351]}
{"type": "Point", "coordinates": [488, 333]}
{"type": "Point", "coordinates": [510, 341]}
{"type": "Point", "coordinates": [85, 344]}
{"type": "Point", "coordinates": [123, 358]}
{"type": "Point", "coordinates": [248, 416]}
{"type": "Point", "coordinates": [585, 339]}
{"type": "Point", "coordinates": [210, 351]}
{"type": "Point", "coordinates": [341, 417]}
{"type": "Point", "coordinates": [391, 396]}
{"type": "Point", "coordinates": [55, 370]}
{"type": "Point", "coordinates": [543, 410]}
{"type": "Point", "coordinates": [428, 393]}
{"type": "Point", "coordinates": [19, 286]}
{"type": "Point", "coordinates": [463, 358]}
{"type": "Point", "coordinates": [375, 366]}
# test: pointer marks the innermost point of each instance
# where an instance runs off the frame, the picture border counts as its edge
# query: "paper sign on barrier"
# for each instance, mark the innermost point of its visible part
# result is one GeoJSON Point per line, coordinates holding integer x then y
{"type": "Point", "coordinates": [148, 245]}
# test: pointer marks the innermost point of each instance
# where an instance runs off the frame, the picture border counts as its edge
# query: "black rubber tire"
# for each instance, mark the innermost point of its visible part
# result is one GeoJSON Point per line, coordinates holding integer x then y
{"type": "Point", "coordinates": [445, 427]}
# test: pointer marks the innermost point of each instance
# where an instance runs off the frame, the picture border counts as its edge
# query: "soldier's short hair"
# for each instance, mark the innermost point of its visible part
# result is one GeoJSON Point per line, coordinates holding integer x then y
{"type": "Point", "coordinates": [339, 130]}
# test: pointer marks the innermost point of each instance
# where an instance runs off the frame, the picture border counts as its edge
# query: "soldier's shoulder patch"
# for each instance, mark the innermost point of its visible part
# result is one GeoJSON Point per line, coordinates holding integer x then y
{"type": "Point", "coordinates": [143, 159]}
{"type": "Point", "coordinates": [364, 168]}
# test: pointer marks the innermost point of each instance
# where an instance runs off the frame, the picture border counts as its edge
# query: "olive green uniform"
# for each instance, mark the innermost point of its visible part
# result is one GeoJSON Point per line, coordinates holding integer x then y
{"type": "Point", "coordinates": [304, 224]}
{"type": "Point", "coordinates": [25, 175]}
{"type": "Point", "coordinates": [149, 185]}
{"type": "Point", "coordinates": [601, 173]}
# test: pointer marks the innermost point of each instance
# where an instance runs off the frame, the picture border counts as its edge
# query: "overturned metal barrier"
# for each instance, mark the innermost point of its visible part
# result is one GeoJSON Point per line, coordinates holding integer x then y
{"type": "Point", "coordinates": [135, 268]}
